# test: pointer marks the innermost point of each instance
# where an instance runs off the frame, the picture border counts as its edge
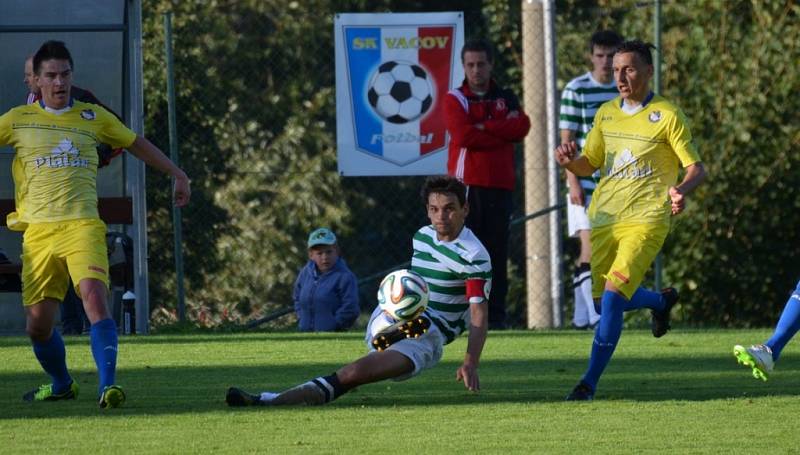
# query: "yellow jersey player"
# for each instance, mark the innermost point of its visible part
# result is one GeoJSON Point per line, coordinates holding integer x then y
{"type": "Point", "coordinates": [55, 176]}
{"type": "Point", "coordinates": [638, 142]}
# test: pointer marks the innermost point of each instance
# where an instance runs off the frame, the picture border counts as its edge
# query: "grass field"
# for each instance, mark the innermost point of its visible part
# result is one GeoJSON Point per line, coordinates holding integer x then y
{"type": "Point", "coordinates": [682, 393]}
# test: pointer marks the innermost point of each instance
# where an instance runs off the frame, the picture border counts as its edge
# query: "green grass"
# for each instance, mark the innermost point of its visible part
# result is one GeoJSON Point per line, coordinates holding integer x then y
{"type": "Point", "coordinates": [683, 393]}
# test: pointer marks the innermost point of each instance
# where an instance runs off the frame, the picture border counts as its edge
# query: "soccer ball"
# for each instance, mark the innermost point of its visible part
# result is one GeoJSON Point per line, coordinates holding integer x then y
{"type": "Point", "coordinates": [400, 92]}
{"type": "Point", "coordinates": [403, 294]}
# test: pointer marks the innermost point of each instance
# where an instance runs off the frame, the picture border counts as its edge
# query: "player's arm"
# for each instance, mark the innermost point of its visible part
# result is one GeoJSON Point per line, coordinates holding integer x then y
{"type": "Point", "coordinates": [567, 157]}
{"type": "Point", "coordinates": [5, 128]}
{"type": "Point", "coordinates": [695, 174]}
{"type": "Point", "coordinates": [150, 154]}
{"type": "Point", "coordinates": [576, 195]}
{"type": "Point", "coordinates": [680, 138]}
{"type": "Point", "coordinates": [463, 132]}
{"type": "Point", "coordinates": [479, 323]}
{"type": "Point", "coordinates": [515, 126]}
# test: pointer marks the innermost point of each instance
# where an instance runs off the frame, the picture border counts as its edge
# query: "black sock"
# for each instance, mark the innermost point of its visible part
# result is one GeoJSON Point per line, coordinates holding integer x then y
{"type": "Point", "coordinates": [330, 386]}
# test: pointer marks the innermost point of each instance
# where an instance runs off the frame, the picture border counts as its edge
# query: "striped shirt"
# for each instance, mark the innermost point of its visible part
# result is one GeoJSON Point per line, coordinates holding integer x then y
{"type": "Point", "coordinates": [579, 102]}
{"type": "Point", "coordinates": [446, 266]}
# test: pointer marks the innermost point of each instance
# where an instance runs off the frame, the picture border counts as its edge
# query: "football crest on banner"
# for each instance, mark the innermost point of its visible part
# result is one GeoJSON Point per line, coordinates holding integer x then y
{"type": "Point", "coordinates": [398, 76]}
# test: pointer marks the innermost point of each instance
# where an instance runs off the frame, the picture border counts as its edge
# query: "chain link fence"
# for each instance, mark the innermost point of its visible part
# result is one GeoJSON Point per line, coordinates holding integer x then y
{"type": "Point", "coordinates": [256, 131]}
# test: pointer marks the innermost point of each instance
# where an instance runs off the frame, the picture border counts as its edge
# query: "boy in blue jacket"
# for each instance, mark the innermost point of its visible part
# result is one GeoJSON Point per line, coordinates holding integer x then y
{"type": "Point", "coordinates": [325, 292]}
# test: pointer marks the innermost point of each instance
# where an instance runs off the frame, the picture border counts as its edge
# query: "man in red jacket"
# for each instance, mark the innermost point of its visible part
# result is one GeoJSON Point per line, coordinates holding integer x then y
{"type": "Point", "coordinates": [484, 122]}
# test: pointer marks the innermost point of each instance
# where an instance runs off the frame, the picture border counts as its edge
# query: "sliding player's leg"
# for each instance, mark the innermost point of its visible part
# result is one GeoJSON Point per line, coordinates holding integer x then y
{"type": "Point", "coordinates": [400, 361]}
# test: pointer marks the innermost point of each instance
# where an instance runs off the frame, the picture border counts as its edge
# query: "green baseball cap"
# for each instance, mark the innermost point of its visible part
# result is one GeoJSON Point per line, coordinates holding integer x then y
{"type": "Point", "coordinates": [321, 236]}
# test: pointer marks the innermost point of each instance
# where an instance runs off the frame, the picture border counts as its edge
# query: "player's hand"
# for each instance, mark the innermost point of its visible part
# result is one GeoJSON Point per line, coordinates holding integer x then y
{"type": "Point", "coordinates": [566, 152]}
{"type": "Point", "coordinates": [469, 375]}
{"type": "Point", "coordinates": [182, 191]}
{"type": "Point", "coordinates": [576, 195]}
{"type": "Point", "coordinates": [678, 201]}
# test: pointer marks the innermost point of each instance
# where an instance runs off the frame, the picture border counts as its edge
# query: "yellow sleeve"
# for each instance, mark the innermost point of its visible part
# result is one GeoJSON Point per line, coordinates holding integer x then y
{"type": "Point", "coordinates": [114, 132]}
{"type": "Point", "coordinates": [595, 148]}
{"type": "Point", "coordinates": [680, 139]}
{"type": "Point", "coordinates": [5, 128]}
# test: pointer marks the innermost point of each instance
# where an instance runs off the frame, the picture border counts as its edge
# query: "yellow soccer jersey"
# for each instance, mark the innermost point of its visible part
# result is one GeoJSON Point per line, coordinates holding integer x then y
{"type": "Point", "coordinates": [638, 156]}
{"type": "Point", "coordinates": [55, 165]}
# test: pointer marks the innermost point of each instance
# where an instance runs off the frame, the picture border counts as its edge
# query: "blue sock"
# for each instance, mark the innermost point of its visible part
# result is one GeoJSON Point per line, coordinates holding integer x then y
{"type": "Point", "coordinates": [644, 298]}
{"type": "Point", "coordinates": [606, 336]}
{"type": "Point", "coordinates": [53, 357]}
{"type": "Point", "coordinates": [788, 324]}
{"type": "Point", "coordinates": [103, 335]}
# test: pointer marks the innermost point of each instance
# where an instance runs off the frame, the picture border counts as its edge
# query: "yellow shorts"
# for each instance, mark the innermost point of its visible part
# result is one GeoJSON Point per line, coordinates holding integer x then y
{"type": "Point", "coordinates": [622, 254]}
{"type": "Point", "coordinates": [54, 252]}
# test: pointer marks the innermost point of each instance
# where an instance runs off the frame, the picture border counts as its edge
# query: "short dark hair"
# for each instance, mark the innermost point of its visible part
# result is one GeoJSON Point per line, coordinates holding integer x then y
{"type": "Point", "coordinates": [51, 50]}
{"type": "Point", "coordinates": [444, 184]}
{"type": "Point", "coordinates": [478, 45]}
{"type": "Point", "coordinates": [639, 48]}
{"type": "Point", "coordinates": [605, 38]}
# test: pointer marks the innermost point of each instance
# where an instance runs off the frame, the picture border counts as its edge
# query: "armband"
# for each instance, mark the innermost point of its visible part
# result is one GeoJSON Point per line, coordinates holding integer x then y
{"type": "Point", "coordinates": [477, 290]}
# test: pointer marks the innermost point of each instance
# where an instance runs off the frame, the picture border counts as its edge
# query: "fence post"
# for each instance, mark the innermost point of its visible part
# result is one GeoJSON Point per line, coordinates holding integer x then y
{"type": "Point", "coordinates": [659, 265]}
{"type": "Point", "coordinates": [173, 154]}
{"type": "Point", "coordinates": [554, 176]}
{"type": "Point", "coordinates": [537, 231]}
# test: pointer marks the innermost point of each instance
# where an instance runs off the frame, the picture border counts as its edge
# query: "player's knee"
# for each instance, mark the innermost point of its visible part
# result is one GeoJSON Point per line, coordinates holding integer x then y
{"type": "Point", "coordinates": [349, 375]}
{"type": "Point", "coordinates": [38, 332]}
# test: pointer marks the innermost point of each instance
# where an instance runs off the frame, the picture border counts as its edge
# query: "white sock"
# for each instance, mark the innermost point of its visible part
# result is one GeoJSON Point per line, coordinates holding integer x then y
{"type": "Point", "coordinates": [586, 290]}
{"type": "Point", "coordinates": [268, 396]}
{"type": "Point", "coordinates": [580, 318]}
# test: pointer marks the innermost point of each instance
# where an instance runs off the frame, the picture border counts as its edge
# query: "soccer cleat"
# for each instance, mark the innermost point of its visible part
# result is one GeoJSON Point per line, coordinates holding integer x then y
{"type": "Point", "coordinates": [660, 319]}
{"type": "Point", "coordinates": [758, 357]}
{"type": "Point", "coordinates": [414, 328]}
{"type": "Point", "coordinates": [238, 397]}
{"type": "Point", "coordinates": [581, 392]}
{"type": "Point", "coordinates": [112, 397]}
{"type": "Point", "coordinates": [45, 393]}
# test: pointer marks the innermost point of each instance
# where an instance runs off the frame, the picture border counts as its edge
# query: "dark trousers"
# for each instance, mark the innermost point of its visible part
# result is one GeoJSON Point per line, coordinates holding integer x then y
{"type": "Point", "coordinates": [489, 214]}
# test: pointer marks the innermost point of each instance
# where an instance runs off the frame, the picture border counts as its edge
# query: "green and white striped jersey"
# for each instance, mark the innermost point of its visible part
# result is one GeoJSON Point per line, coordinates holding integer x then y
{"type": "Point", "coordinates": [580, 100]}
{"type": "Point", "coordinates": [446, 266]}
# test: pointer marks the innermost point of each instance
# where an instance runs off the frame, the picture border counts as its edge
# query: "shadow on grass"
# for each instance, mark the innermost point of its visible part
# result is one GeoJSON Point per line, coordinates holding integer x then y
{"type": "Point", "coordinates": [179, 390]}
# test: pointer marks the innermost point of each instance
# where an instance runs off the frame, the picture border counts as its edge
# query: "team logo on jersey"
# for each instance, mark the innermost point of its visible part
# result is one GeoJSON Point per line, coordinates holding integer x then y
{"type": "Point", "coordinates": [65, 154]}
{"type": "Point", "coordinates": [627, 166]}
{"type": "Point", "coordinates": [500, 105]}
{"type": "Point", "coordinates": [655, 116]}
{"type": "Point", "coordinates": [88, 114]}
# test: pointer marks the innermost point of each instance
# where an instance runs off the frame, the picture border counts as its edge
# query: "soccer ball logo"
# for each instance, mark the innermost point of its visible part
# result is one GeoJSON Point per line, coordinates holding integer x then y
{"type": "Point", "coordinates": [403, 294]}
{"type": "Point", "coordinates": [400, 92]}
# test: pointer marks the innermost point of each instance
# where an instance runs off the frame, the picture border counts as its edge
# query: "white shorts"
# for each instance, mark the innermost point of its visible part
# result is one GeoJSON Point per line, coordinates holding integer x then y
{"type": "Point", "coordinates": [424, 352]}
{"type": "Point", "coordinates": [577, 216]}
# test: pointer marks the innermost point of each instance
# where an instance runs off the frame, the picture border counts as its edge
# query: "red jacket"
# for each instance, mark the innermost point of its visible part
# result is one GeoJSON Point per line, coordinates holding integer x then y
{"type": "Point", "coordinates": [484, 157]}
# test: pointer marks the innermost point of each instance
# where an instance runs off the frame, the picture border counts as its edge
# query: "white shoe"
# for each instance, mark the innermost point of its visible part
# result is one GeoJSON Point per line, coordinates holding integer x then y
{"type": "Point", "coordinates": [758, 357]}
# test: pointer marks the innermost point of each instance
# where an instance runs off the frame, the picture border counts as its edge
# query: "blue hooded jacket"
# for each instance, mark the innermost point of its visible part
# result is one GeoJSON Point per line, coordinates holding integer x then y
{"type": "Point", "coordinates": [326, 302]}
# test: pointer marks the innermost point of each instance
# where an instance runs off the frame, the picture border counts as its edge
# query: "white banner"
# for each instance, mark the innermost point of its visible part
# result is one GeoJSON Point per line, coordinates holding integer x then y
{"type": "Point", "coordinates": [392, 73]}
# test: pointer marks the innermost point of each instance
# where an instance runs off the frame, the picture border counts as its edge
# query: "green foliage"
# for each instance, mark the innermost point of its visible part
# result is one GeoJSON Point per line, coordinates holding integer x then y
{"type": "Point", "coordinates": [731, 66]}
{"type": "Point", "coordinates": [735, 75]}
{"type": "Point", "coordinates": [256, 124]}
{"type": "Point", "coordinates": [683, 394]}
